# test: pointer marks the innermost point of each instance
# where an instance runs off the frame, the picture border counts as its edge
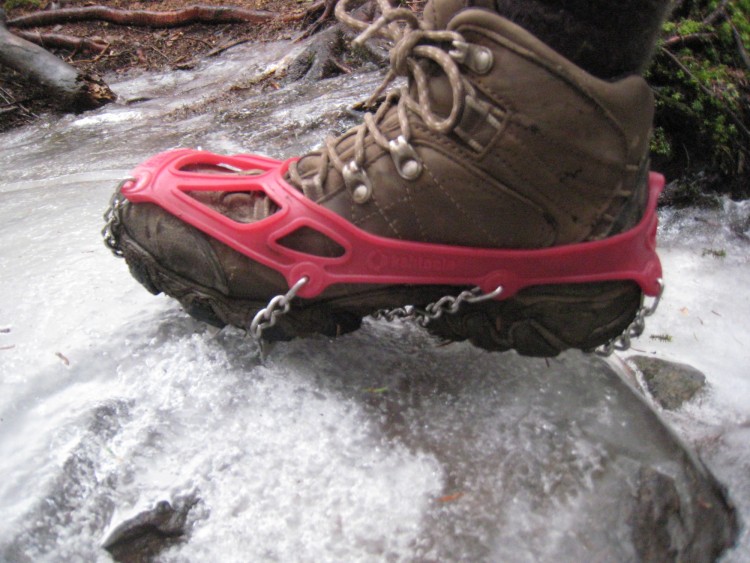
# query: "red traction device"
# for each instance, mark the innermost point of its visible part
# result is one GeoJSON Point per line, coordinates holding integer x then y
{"type": "Point", "coordinates": [165, 178]}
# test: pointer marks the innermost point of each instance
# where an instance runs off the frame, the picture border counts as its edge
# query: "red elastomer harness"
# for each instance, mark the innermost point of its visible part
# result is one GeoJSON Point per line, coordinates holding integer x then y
{"type": "Point", "coordinates": [164, 179]}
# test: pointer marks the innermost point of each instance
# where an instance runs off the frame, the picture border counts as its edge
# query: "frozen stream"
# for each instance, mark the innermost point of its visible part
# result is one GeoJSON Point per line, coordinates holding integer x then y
{"type": "Point", "coordinates": [377, 446]}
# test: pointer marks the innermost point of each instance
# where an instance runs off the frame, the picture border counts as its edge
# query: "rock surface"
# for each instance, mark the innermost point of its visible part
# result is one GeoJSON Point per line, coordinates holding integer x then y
{"type": "Point", "coordinates": [146, 534]}
{"type": "Point", "coordinates": [671, 384]}
{"type": "Point", "coordinates": [525, 460]}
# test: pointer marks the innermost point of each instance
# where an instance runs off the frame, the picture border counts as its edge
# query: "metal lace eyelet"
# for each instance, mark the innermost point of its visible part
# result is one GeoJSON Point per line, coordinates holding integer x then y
{"type": "Point", "coordinates": [481, 59]}
{"type": "Point", "coordinates": [476, 58]}
{"type": "Point", "coordinates": [357, 182]}
{"type": "Point", "coordinates": [405, 158]}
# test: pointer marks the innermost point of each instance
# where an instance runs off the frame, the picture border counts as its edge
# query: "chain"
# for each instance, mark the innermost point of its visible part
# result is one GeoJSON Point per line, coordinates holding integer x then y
{"type": "Point", "coordinates": [279, 305]}
{"type": "Point", "coordinates": [451, 305]}
{"type": "Point", "coordinates": [113, 219]}
{"type": "Point", "coordinates": [447, 304]}
{"type": "Point", "coordinates": [635, 329]}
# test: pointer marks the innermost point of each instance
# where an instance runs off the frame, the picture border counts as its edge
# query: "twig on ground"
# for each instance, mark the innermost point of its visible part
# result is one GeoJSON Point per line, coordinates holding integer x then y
{"type": "Point", "coordinates": [682, 39]}
{"type": "Point", "coordinates": [221, 48]}
{"type": "Point", "coordinates": [198, 40]}
{"type": "Point", "coordinates": [166, 58]}
{"type": "Point", "coordinates": [717, 14]}
{"type": "Point", "coordinates": [740, 45]}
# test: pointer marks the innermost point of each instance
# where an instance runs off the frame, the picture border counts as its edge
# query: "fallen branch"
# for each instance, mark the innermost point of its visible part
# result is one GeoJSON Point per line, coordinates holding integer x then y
{"type": "Point", "coordinates": [718, 13]}
{"type": "Point", "coordinates": [182, 64]}
{"type": "Point", "coordinates": [60, 41]}
{"type": "Point", "coordinates": [682, 39]}
{"type": "Point", "coordinates": [70, 89]}
{"type": "Point", "coordinates": [144, 18]}
{"type": "Point", "coordinates": [221, 48]}
{"type": "Point", "coordinates": [740, 45]}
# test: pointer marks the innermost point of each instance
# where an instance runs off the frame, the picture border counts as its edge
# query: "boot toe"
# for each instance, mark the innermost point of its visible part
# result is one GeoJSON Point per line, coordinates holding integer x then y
{"type": "Point", "coordinates": [175, 246]}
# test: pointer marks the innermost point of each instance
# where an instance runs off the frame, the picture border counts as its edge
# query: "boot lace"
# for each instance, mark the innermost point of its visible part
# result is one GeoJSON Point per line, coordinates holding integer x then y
{"type": "Point", "coordinates": [413, 44]}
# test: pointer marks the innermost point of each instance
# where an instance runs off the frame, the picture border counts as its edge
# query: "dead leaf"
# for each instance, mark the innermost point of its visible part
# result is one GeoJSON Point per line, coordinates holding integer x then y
{"type": "Point", "coordinates": [451, 497]}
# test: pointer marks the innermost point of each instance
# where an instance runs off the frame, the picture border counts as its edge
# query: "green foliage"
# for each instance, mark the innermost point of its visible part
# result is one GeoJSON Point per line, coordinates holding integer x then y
{"type": "Point", "coordinates": [13, 4]}
{"type": "Point", "coordinates": [716, 253]}
{"type": "Point", "coordinates": [700, 78]}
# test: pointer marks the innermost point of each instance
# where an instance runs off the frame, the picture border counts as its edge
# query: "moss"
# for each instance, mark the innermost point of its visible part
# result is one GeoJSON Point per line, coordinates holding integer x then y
{"type": "Point", "coordinates": [660, 144]}
{"type": "Point", "coordinates": [700, 78]}
{"type": "Point", "coordinates": [720, 253]}
{"type": "Point", "coordinates": [13, 4]}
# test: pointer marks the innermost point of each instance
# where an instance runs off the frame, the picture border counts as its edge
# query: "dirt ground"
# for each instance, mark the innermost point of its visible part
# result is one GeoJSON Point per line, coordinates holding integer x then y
{"type": "Point", "coordinates": [132, 48]}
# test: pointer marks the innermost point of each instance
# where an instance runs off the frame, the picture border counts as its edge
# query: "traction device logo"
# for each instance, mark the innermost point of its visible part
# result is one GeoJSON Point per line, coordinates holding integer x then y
{"type": "Point", "coordinates": [380, 261]}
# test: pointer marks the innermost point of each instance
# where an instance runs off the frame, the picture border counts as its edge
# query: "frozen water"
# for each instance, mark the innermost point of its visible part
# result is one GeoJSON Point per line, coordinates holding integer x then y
{"type": "Point", "coordinates": [379, 445]}
{"type": "Point", "coordinates": [704, 320]}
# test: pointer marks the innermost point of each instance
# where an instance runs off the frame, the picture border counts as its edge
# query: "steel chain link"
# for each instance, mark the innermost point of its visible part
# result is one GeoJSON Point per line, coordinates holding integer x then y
{"type": "Point", "coordinates": [279, 305]}
{"type": "Point", "coordinates": [623, 342]}
{"type": "Point", "coordinates": [113, 219]}
{"type": "Point", "coordinates": [447, 304]}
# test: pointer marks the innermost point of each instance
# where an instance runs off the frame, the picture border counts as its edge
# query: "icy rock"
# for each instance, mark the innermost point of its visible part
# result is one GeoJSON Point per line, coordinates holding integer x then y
{"type": "Point", "coordinates": [143, 536]}
{"type": "Point", "coordinates": [538, 460]}
{"type": "Point", "coordinates": [672, 384]}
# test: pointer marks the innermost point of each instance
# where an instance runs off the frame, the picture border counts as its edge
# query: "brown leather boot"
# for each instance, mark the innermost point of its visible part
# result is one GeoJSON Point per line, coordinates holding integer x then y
{"type": "Point", "coordinates": [497, 141]}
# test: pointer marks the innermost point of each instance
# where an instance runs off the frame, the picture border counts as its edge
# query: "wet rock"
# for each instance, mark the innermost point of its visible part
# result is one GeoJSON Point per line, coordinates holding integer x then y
{"type": "Point", "coordinates": [660, 532]}
{"type": "Point", "coordinates": [539, 460]}
{"type": "Point", "coordinates": [670, 383]}
{"type": "Point", "coordinates": [142, 537]}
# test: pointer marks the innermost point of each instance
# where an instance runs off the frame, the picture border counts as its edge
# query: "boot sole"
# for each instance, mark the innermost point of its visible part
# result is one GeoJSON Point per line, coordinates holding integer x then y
{"type": "Point", "coordinates": [539, 321]}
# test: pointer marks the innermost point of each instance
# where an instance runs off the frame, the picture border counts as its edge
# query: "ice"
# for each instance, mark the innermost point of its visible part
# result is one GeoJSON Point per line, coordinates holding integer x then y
{"type": "Point", "coordinates": [379, 445]}
{"type": "Point", "coordinates": [705, 313]}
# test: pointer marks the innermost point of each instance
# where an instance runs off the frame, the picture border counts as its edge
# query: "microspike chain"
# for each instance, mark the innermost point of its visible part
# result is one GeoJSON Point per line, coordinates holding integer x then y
{"type": "Point", "coordinates": [277, 306]}
{"type": "Point", "coordinates": [449, 304]}
{"type": "Point", "coordinates": [112, 219]}
{"type": "Point", "coordinates": [623, 342]}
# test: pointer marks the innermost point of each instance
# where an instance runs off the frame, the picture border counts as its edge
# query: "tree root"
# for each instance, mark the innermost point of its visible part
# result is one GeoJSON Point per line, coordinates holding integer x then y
{"type": "Point", "coordinates": [59, 41]}
{"type": "Point", "coordinates": [328, 7]}
{"type": "Point", "coordinates": [330, 53]}
{"type": "Point", "coordinates": [144, 18]}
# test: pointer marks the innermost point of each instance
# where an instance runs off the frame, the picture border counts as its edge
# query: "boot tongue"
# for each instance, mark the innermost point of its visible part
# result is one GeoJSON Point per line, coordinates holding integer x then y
{"type": "Point", "coordinates": [437, 13]}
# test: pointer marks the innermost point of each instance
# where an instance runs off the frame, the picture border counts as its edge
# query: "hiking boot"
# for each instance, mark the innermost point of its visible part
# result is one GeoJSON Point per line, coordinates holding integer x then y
{"type": "Point", "coordinates": [496, 141]}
